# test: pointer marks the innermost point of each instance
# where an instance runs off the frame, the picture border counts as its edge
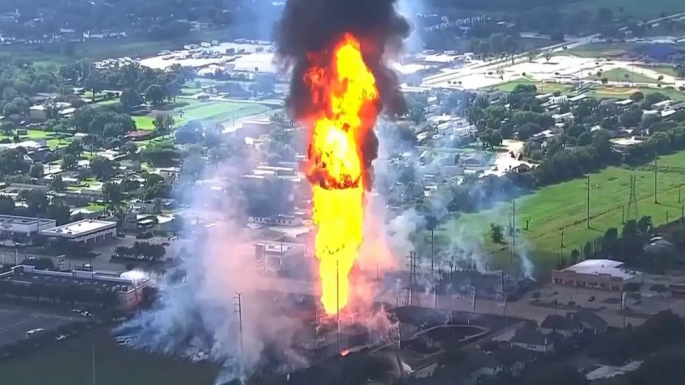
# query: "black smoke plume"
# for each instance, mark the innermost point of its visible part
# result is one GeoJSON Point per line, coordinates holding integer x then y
{"type": "Point", "coordinates": [315, 26]}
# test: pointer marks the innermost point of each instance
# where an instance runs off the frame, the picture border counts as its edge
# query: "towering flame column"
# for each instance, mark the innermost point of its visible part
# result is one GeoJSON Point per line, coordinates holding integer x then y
{"type": "Point", "coordinates": [345, 101]}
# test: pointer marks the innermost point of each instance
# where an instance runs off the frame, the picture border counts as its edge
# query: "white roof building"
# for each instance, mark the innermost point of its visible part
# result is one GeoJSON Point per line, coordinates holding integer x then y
{"type": "Point", "coordinates": [595, 273]}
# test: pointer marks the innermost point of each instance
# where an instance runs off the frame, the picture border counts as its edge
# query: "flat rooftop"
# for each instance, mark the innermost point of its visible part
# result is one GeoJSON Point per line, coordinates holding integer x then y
{"type": "Point", "coordinates": [86, 279]}
{"type": "Point", "coordinates": [601, 266]}
{"type": "Point", "coordinates": [84, 227]}
{"type": "Point", "coordinates": [15, 220]}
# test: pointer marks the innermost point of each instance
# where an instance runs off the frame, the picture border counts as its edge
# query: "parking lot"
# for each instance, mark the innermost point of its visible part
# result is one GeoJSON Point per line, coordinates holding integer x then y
{"type": "Point", "coordinates": [16, 321]}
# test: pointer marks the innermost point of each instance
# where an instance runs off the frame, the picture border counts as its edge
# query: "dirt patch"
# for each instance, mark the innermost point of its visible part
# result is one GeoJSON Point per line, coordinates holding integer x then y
{"type": "Point", "coordinates": [613, 53]}
{"type": "Point", "coordinates": [618, 91]}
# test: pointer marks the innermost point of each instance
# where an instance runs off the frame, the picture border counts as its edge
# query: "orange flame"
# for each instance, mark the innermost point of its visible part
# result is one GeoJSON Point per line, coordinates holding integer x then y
{"type": "Point", "coordinates": [344, 97]}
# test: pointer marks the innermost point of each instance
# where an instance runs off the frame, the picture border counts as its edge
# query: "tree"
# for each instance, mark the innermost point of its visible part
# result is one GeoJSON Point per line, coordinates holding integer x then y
{"type": "Point", "coordinates": [102, 168]}
{"type": "Point", "coordinates": [163, 124]}
{"type": "Point", "coordinates": [575, 255]}
{"type": "Point", "coordinates": [496, 233]}
{"type": "Point", "coordinates": [155, 94]}
{"type": "Point", "coordinates": [547, 56]}
{"type": "Point", "coordinates": [37, 171]}
{"type": "Point", "coordinates": [112, 192]}
{"type": "Point", "coordinates": [130, 98]}
{"type": "Point", "coordinates": [57, 184]}
{"type": "Point", "coordinates": [69, 162]}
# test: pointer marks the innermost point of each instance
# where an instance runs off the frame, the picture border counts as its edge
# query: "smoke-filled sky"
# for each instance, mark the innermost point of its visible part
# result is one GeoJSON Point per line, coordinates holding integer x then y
{"type": "Point", "coordinates": [315, 25]}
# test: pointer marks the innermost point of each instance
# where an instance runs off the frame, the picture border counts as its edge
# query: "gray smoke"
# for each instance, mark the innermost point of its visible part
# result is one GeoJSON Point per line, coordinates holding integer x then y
{"type": "Point", "coordinates": [197, 318]}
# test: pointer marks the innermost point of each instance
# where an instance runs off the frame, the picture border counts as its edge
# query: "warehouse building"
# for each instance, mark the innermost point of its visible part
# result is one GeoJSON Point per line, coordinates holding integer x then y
{"type": "Point", "coordinates": [128, 289]}
{"type": "Point", "coordinates": [603, 274]}
{"type": "Point", "coordinates": [88, 231]}
{"type": "Point", "coordinates": [18, 230]}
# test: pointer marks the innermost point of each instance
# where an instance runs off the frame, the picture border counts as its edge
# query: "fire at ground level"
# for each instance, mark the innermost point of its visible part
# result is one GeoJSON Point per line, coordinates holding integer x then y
{"type": "Point", "coordinates": [396, 339]}
{"type": "Point", "coordinates": [285, 260]}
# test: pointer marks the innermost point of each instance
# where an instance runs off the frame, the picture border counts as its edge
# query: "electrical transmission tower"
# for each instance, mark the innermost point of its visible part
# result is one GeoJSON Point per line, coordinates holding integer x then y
{"type": "Point", "coordinates": [412, 298]}
{"type": "Point", "coordinates": [632, 201]}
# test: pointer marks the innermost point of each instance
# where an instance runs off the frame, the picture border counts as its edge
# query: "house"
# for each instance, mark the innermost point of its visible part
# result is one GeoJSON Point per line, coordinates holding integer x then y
{"type": "Point", "coordinates": [592, 323]}
{"type": "Point", "coordinates": [566, 326]}
{"type": "Point", "coordinates": [515, 358]}
{"type": "Point", "coordinates": [479, 365]}
{"type": "Point", "coordinates": [474, 160]}
{"type": "Point", "coordinates": [563, 118]}
{"type": "Point", "coordinates": [535, 340]}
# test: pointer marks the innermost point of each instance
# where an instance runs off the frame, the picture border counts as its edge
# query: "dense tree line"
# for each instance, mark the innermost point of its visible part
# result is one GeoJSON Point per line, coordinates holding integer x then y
{"type": "Point", "coordinates": [155, 19]}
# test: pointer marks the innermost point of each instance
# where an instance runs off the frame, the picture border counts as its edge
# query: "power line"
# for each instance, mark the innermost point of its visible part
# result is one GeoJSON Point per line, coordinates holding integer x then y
{"type": "Point", "coordinates": [632, 200]}
{"type": "Point", "coordinates": [656, 171]}
{"type": "Point", "coordinates": [411, 298]}
{"type": "Point", "coordinates": [588, 201]}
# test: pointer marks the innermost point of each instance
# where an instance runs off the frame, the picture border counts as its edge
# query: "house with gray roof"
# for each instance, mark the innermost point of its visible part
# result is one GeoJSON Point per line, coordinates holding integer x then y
{"type": "Point", "coordinates": [535, 340]}
{"type": "Point", "coordinates": [564, 325]}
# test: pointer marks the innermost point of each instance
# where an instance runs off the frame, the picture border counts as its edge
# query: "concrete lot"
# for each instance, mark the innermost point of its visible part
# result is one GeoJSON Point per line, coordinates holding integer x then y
{"type": "Point", "coordinates": [16, 321]}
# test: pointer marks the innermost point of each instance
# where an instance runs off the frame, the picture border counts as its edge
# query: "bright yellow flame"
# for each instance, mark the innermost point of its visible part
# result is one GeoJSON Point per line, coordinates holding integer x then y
{"type": "Point", "coordinates": [345, 93]}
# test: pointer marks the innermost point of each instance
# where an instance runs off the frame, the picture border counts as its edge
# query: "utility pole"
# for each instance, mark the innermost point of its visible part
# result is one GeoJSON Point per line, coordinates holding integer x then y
{"type": "Point", "coordinates": [561, 248]}
{"type": "Point", "coordinates": [92, 356]}
{"type": "Point", "coordinates": [432, 251]}
{"type": "Point", "coordinates": [337, 303]}
{"type": "Point", "coordinates": [679, 191]}
{"type": "Point", "coordinates": [412, 298]}
{"type": "Point", "coordinates": [588, 201]}
{"type": "Point", "coordinates": [513, 233]}
{"type": "Point", "coordinates": [656, 172]}
{"type": "Point", "coordinates": [239, 310]}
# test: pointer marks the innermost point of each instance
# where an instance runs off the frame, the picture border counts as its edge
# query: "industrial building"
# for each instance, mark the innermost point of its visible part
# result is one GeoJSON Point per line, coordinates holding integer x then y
{"type": "Point", "coordinates": [602, 274]}
{"type": "Point", "coordinates": [88, 231]}
{"type": "Point", "coordinates": [18, 230]}
{"type": "Point", "coordinates": [128, 289]}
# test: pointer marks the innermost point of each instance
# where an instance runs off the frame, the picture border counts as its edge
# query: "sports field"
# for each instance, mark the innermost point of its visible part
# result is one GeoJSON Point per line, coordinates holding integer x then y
{"type": "Point", "coordinates": [622, 75]}
{"type": "Point", "coordinates": [542, 87]}
{"type": "Point", "coordinates": [70, 362]}
{"type": "Point", "coordinates": [215, 111]}
{"type": "Point", "coordinates": [564, 206]}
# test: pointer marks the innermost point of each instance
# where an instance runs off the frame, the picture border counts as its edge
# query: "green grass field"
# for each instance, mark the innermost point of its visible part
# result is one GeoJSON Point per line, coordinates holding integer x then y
{"type": "Point", "coordinates": [542, 87]}
{"type": "Point", "coordinates": [663, 69]}
{"type": "Point", "coordinates": [210, 111]}
{"type": "Point", "coordinates": [622, 75]}
{"type": "Point", "coordinates": [69, 362]}
{"type": "Point", "coordinates": [636, 8]}
{"type": "Point", "coordinates": [558, 207]}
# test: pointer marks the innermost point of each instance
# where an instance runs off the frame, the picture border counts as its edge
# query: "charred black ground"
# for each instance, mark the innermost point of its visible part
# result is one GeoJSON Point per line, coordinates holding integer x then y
{"type": "Point", "coordinates": [309, 26]}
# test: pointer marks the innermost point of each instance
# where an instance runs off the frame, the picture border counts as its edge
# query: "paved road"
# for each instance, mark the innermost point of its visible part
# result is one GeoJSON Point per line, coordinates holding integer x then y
{"type": "Point", "coordinates": [522, 309]}
{"type": "Point", "coordinates": [494, 65]}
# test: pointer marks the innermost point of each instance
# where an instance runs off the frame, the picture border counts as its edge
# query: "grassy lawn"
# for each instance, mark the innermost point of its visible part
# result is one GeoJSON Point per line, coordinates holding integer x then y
{"type": "Point", "coordinates": [95, 207]}
{"type": "Point", "coordinates": [563, 206]}
{"type": "Point", "coordinates": [210, 111]}
{"type": "Point", "coordinates": [663, 69]}
{"type": "Point", "coordinates": [622, 75]}
{"type": "Point", "coordinates": [596, 50]}
{"type": "Point", "coordinates": [69, 362]}
{"type": "Point", "coordinates": [542, 87]}
{"type": "Point", "coordinates": [625, 92]}
{"type": "Point", "coordinates": [635, 8]}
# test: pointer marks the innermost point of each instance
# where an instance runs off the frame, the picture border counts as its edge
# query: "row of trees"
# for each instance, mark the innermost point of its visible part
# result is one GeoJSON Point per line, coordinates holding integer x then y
{"type": "Point", "coordinates": [141, 250]}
